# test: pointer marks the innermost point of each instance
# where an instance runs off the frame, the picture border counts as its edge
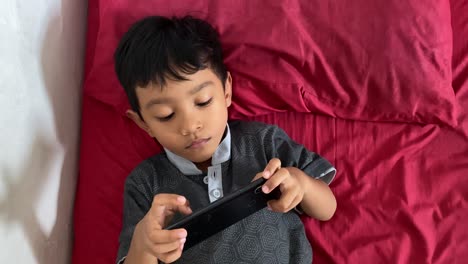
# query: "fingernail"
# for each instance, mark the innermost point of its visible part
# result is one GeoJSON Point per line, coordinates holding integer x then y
{"type": "Point", "coordinates": [182, 241]}
{"type": "Point", "coordinates": [265, 189]}
{"type": "Point", "coordinates": [266, 174]}
{"type": "Point", "coordinates": [269, 208]}
{"type": "Point", "coordinates": [181, 199]}
{"type": "Point", "coordinates": [182, 247]}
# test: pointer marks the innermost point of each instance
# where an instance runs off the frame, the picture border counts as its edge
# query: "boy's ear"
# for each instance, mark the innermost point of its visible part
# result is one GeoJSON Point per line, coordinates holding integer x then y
{"type": "Point", "coordinates": [140, 122]}
{"type": "Point", "coordinates": [228, 89]}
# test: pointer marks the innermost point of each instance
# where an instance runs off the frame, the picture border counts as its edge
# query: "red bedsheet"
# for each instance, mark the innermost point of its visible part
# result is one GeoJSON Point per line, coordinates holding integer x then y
{"type": "Point", "coordinates": [402, 188]}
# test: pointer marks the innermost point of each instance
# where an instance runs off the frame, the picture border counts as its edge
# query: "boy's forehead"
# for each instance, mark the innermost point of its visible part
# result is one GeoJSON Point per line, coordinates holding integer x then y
{"type": "Point", "coordinates": [178, 88]}
{"type": "Point", "coordinates": [191, 80]}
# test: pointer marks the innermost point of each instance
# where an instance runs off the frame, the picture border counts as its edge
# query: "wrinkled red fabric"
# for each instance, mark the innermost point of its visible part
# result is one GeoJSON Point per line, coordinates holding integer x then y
{"type": "Point", "coordinates": [367, 84]}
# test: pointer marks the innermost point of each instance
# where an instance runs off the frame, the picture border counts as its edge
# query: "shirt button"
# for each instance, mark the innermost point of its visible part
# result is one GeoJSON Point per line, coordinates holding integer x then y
{"type": "Point", "coordinates": [216, 193]}
{"type": "Point", "coordinates": [205, 179]}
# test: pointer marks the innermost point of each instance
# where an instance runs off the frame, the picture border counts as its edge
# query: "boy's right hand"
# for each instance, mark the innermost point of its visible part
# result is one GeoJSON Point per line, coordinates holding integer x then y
{"type": "Point", "coordinates": [149, 235]}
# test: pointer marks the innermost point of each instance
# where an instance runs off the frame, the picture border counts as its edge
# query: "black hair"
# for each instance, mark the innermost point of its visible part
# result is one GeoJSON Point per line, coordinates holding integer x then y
{"type": "Point", "coordinates": [158, 48]}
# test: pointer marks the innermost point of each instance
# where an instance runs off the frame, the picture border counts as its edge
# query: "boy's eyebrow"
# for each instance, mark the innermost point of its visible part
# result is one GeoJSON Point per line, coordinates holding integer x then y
{"type": "Point", "coordinates": [156, 101]}
{"type": "Point", "coordinates": [194, 90]}
{"type": "Point", "coordinates": [198, 88]}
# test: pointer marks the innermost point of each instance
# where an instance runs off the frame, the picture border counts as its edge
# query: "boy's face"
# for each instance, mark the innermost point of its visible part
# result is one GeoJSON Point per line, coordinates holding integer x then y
{"type": "Point", "coordinates": [187, 117]}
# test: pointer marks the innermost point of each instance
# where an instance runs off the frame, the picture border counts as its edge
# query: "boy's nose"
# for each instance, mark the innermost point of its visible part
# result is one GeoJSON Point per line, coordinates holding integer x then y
{"type": "Point", "coordinates": [190, 126]}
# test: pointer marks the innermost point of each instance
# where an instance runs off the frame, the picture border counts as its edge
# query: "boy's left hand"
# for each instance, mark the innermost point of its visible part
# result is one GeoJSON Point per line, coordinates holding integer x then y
{"type": "Point", "coordinates": [292, 191]}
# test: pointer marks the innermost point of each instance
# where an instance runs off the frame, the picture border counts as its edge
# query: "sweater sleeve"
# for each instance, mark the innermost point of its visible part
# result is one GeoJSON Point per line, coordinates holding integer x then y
{"type": "Point", "coordinates": [137, 202]}
{"type": "Point", "coordinates": [279, 145]}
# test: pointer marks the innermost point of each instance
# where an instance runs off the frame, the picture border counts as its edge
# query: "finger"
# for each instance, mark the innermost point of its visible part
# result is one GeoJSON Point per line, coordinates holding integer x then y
{"type": "Point", "coordinates": [272, 166]}
{"type": "Point", "coordinates": [159, 213]}
{"type": "Point", "coordinates": [186, 209]}
{"type": "Point", "coordinates": [279, 177]}
{"type": "Point", "coordinates": [172, 256]}
{"type": "Point", "coordinates": [283, 204]}
{"type": "Point", "coordinates": [168, 247]}
{"type": "Point", "coordinates": [288, 198]}
{"type": "Point", "coordinates": [163, 236]}
{"type": "Point", "coordinates": [257, 176]}
{"type": "Point", "coordinates": [277, 206]}
{"type": "Point", "coordinates": [288, 207]}
{"type": "Point", "coordinates": [162, 215]}
{"type": "Point", "coordinates": [183, 207]}
{"type": "Point", "coordinates": [170, 202]}
{"type": "Point", "coordinates": [296, 202]}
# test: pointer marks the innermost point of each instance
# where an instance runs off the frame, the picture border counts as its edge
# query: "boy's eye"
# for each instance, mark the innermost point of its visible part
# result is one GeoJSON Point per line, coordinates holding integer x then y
{"type": "Point", "coordinates": [166, 118]}
{"type": "Point", "coordinates": [205, 103]}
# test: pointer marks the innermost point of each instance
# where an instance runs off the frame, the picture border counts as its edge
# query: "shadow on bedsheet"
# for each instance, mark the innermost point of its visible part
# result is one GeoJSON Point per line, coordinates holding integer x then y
{"type": "Point", "coordinates": [62, 56]}
{"type": "Point", "coordinates": [22, 199]}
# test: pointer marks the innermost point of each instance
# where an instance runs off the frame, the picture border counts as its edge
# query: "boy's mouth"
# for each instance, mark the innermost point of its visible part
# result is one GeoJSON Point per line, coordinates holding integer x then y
{"type": "Point", "coordinates": [198, 143]}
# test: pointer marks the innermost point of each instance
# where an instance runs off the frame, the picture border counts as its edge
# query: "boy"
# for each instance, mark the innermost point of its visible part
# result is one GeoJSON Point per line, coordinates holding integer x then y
{"type": "Point", "coordinates": [179, 89]}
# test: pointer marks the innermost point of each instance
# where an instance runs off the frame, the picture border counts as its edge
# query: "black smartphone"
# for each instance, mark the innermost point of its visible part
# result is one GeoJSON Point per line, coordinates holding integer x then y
{"type": "Point", "coordinates": [224, 212]}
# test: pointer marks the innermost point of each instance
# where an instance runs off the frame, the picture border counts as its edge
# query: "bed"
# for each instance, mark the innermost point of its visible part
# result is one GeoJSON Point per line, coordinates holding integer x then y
{"type": "Point", "coordinates": [379, 88]}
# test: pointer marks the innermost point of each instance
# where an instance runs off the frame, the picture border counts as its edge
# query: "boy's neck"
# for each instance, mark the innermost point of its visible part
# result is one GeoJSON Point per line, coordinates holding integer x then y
{"type": "Point", "coordinates": [203, 166]}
